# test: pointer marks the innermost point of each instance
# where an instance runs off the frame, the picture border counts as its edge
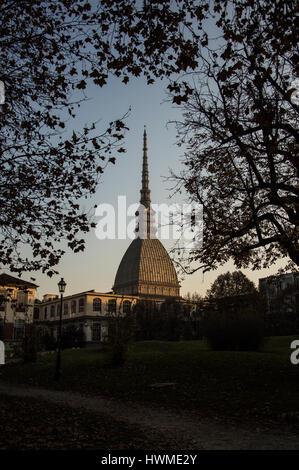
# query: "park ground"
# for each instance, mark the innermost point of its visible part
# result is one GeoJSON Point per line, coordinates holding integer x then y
{"type": "Point", "coordinates": [168, 396]}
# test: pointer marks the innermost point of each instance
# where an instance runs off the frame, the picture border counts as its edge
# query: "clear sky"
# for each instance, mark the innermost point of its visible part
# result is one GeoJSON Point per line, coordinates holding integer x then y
{"type": "Point", "coordinates": [96, 267]}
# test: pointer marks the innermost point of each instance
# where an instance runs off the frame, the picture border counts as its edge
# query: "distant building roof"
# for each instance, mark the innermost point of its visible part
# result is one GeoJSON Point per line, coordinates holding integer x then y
{"type": "Point", "coordinates": [276, 277]}
{"type": "Point", "coordinates": [7, 280]}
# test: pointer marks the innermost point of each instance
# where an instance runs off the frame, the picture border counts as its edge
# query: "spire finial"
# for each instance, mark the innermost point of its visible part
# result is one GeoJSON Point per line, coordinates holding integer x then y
{"type": "Point", "coordinates": [145, 191]}
{"type": "Point", "coordinates": [145, 227]}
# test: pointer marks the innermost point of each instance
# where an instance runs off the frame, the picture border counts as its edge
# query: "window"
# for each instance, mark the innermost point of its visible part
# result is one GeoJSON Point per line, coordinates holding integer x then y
{"type": "Point", "coordinates": [111, 305]}
{"type": "Point", "coordinates": [19, 329]}
{"type": "Point", "coordinates": [126, 306]}
{"type": "Point", "coordinates": [58, 310]}
{"type": "Point", "coordinates": [52, 311]}
{"type": "Point", "coordinates": [96, 331]}
{"type": "Point", "coordinates": [97, 305]}
{"type": "Point", "coordinates": [45, 312]}
{"type": "Point", "coordinates": [21, 297]}
{"type": "Point", "coordinates": [81, 304]}
{"type": "Point", "coordinates": [74, 306]}
{"type": "Point", "coordinates": [66, 309]}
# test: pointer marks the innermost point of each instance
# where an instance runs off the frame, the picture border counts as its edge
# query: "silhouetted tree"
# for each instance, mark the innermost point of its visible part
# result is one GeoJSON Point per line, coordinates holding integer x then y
{"type": "Point", "coordinates": [194, 297]}
{"type": "Point", "coordinates": [48, 51]}
{"type": "Point", "coordinates": [172, 320]}
{"type": "Point", "coordinates": [240, 131]}
{"type": "Point", "coordinates": [239, 123]}
{"type": "Point", "coordinates": [148, 320]}
{"type": "Point", "coordinates": [122, 325]}
{"type": "Point", "coordinates": [231, 284]}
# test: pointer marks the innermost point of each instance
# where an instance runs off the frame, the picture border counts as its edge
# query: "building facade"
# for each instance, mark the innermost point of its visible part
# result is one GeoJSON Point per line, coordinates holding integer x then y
{"type": "Point", "coordinates": [281, 298]}
{"type": "Point", "coordinates": [17, 299]}
{"type": "Point", "coordinates": [88, 311]}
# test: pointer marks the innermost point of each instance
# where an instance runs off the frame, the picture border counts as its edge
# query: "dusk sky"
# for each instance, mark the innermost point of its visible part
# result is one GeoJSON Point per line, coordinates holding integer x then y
{"type": "Point", "coordinates": [96, 267]}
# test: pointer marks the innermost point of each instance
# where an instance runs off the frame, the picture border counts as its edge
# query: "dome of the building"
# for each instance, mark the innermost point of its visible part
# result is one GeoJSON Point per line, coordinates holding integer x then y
{"type": "Point", "coordinates": [146, 269]}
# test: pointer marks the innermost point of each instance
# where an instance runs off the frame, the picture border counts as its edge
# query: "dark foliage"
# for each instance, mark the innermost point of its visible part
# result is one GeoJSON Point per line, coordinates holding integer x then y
{"type": "Point", "coordinates": [282, 323]}
{"type": "Point", "coordinates": [121, 335]}
{"type": "Point", "coordinates": [48, 341]}
{"type": "Point", "coordinates": [31, 343]}
{"type": "Point", "coordinates": [239, 124]}
{"type": "Point", "coordinates": [72, 337]}
{"type": "Point", "coordinates": [282, 312]}
{"type": "Point", "coordinates": [171, 322]}
{"type": "Point", "coordinates": [241, 330]}
{"type": "Point", "coordinates": [231, 284]}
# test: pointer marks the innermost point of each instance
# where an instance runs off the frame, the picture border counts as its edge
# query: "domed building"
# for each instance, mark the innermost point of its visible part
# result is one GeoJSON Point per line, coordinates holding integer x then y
{"type": "Point", "coordinates": [145, 272]}
{"type": "Point", "coordinates": [146, 268]}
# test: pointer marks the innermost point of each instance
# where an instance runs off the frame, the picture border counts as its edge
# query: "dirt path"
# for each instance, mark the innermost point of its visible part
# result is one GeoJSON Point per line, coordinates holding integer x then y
{"type": "Point", "coordinates": [202, 433]}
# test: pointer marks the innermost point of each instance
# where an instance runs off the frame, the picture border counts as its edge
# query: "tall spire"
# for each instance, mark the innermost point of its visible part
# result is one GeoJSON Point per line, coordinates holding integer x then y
{"type": "Point", "coordinates": [145, 191]}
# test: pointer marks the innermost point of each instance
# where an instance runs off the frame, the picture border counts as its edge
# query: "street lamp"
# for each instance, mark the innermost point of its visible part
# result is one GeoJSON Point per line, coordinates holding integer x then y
{"type": "Point", "coordinates": [2, 320]}
{"type": "Point", "coordinates": [61, 286]}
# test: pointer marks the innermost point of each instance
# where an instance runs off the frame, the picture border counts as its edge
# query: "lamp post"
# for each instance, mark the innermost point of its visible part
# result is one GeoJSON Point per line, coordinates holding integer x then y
{"type": "Point", "coordinates": [2, 319]}
{"type": "Point", "coordinates": [61, 286]}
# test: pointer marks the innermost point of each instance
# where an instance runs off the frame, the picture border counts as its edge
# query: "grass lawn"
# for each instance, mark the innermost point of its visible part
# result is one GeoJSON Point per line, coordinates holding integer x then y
{"type": "Point", "coordinates": [244, 385]}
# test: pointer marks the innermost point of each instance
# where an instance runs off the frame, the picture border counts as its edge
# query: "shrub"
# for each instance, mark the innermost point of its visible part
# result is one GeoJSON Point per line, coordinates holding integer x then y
{"type": "Point", "coordinates": [14, 349]}
{"type": "Point", "coordinates": [282, 323]}
{"type": "Point", "coordinates": [121, 334]}
{"type": "Point", "coordinates": [233, 331]}
{"type": "Point", "coordinates": [164, 324]}
{"type": "Point", "coordinates": [148, 321]}
{"type": "Point", "coordinates": [72, 337]}
{"type": "Point", "coordinates": [49, 343]}
{"type": "Point", "coordinates": [31, 343]}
